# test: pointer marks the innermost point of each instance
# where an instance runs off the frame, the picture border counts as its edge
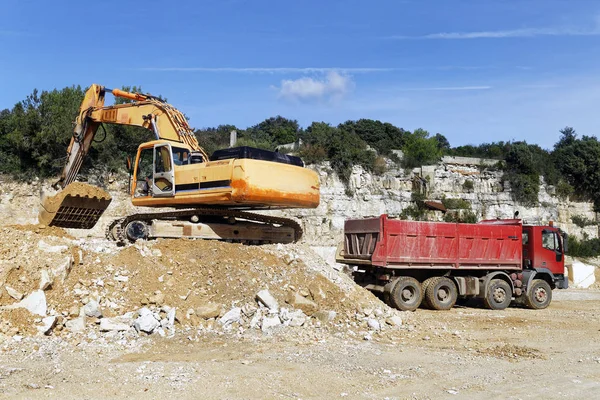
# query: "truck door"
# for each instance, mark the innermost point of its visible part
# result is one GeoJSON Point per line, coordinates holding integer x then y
{"type": "Point", "coordinates": [551, 254]}
{"type": "Point", "coordinates": [163, 182]}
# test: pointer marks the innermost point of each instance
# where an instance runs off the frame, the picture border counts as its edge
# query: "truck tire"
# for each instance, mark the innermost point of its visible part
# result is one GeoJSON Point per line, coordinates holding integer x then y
{"type": "Point", "coordinates": [424, 286]}
{"type": "Point", "coordinates": [539, 295]}
{"type": "Point", "coordinates": [498, 294]}
{"type": "Point", "coordinates": [441, 293]}
{"type": "Point", "coordinates": [406, 294]}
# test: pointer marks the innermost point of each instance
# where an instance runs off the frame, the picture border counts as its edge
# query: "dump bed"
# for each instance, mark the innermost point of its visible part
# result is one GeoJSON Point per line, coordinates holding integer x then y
{"type": "Point", "coordinates": [394, 243]}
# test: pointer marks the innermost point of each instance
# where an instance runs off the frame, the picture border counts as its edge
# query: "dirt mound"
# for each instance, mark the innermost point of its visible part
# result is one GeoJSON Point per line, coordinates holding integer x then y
{"type": "Point", "coordinates": [43, 230]}
{"type": "Point", "coordinates": [188, 275]}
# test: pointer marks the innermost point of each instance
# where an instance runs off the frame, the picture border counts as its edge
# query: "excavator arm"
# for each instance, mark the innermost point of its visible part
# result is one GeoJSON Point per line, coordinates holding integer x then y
{"type": "Point", "coordinates": [164, 120]}
{"type": "Point", "coordinates": [79, 205]}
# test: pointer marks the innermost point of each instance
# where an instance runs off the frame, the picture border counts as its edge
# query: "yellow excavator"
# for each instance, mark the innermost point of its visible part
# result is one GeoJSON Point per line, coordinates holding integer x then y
{"type": "Point", "coordinates": [209, 195]}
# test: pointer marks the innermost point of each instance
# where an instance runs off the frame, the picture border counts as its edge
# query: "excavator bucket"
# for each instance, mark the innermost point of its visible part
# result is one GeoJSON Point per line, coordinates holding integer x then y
{"type": "Point", "coordinates": [77, 206]}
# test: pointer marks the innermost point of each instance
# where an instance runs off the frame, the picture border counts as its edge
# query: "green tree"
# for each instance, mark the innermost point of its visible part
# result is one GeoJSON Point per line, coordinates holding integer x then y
{"type": "Point", "coordinates": [420, 149]}
{"type": "Point", "coordinates": [273, 131]}
{"type": "Point", "coordinates": [579, 163]}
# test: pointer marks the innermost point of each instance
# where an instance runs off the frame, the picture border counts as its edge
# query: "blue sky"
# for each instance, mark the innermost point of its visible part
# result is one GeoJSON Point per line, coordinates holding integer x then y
{"type": "Point", "coordinates": [473, 70]}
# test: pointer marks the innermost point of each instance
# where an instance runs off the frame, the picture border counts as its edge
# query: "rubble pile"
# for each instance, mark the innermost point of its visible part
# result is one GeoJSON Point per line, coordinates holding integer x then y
{"type": "Point", "coordinates": [54, 284]}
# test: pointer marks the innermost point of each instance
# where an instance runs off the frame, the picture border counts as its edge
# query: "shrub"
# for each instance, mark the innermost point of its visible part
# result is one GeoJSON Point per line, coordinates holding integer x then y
{"type": "Point", "coordinates": [564, 190]}
{"type": "Point", "coordinates": [583, 248]}
{"type": "Point", "coordinates": [456, 204]}
{"type": "Point", "coordinates": [468, 185]}
{"type": "Point", "coordinates": [464, 216]}
{"type": "Point", "coordinates": [313, 154]}
{"type": "Point", "coordinates": [379, 166]}
{"type": "Point", "coordinates": [581, 221]}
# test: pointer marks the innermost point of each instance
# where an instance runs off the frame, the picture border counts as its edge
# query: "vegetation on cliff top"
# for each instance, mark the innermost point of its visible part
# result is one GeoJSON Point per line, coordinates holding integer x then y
{"type": "Point", "coordinates": [34, 135]}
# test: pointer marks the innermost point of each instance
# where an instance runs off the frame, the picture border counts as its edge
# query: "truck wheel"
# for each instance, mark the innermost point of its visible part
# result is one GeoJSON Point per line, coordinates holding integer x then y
{"type": "Point", "coordinates": [539, 295]}
{"type": "Point", "coordinates": [406, 294]}
{"type": "Point", "coordinates": [424, 286]}
{"type": "Point", "coordinates": [441, 293]}
{"type": "Point", "coordinates": [498, 296]}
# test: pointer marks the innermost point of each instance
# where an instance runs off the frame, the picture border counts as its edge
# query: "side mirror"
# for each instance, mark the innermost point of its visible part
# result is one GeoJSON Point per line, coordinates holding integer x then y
{"type": "Point", "coordinates": [565, 238]}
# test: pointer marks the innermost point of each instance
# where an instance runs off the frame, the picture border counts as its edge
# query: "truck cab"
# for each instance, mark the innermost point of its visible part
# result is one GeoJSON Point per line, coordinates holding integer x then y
{"type": "Point", "coordinates": [544, 252]}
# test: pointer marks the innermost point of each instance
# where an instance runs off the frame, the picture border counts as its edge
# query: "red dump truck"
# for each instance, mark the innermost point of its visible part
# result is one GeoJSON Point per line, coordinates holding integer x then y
{"type": "Point", "coordinates": [438, 263]}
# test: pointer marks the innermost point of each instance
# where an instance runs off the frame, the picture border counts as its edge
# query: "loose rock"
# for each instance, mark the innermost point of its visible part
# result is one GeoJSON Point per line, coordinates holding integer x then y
{"type": "Point", "coordinates": [208, 311]}
{"type": "Point", "coordinates": [15, 294]}
{"type": "Point", "coordinates": [270, 322]}
{"type": "Point", "coordinates": [309, 307]}
{"type": "Point", "coordinates": [146, 322]}
{"type": "Point", "coordinates": [47, 324]}
{"type": "Point", "coordinates": [325, 316]}
{"type": "Point", "coordinates": [231, 316]}
{"type": "Point", "coordinates": [92, 309]}
{"type": "Point", "coordinates": [268, 300]}
{"type": "Point", "coordinates": [45, 280]}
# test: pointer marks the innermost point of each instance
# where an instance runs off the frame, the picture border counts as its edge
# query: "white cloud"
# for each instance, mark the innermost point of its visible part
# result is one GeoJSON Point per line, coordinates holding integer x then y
{"type": "Point", "coordinates": [511, 33]}
{"type": "Point", "coordinates": [333, 86]}
{"type": "Point", "coordinates": [316, 70]}
{"type": "Point", "coordinates": [269, 70]}
{"type": "Point", "coordinates": [425, 89]}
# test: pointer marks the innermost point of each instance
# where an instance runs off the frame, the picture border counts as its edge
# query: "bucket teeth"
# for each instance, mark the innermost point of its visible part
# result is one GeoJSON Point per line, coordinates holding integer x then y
{"type": "Point", "coordinates": [78, 206]}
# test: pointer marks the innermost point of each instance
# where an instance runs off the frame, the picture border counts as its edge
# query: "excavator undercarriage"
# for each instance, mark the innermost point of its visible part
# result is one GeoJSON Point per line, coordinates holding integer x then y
{"type": "Point", "coordinates": [205, 223]}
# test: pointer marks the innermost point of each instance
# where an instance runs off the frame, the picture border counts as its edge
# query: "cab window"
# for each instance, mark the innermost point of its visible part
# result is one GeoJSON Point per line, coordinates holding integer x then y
{"type": "Point", "coordinates": [163, 159]}
{"type": "Point", "coordinates": [549, 241]}
{"type": "Point", "coordinates": [144, 170]}
{"type": "Point", "coordinates": [181, 156]}
{"type": "Point", "coordinates": [525, 238]}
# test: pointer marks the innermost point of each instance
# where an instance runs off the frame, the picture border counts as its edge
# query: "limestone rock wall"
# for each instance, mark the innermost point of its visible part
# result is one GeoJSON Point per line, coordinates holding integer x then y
{"type": "Point", "coordinates": [367, 195]}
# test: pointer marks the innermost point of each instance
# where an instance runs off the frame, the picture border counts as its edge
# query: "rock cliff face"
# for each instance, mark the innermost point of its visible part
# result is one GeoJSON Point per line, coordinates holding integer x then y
{"type": "Point", "coordinates": [489, 197]}
{"type": "Point", "coordinates": [367, 195]}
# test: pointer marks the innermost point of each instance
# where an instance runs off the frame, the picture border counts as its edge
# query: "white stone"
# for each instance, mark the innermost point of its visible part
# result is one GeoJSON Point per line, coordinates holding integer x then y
{"type": "Point", "coordinates": [35, 303]}
{"type": "Point", "coordinates": [171, 318]}
{"type": "Point", "coordinates": [45, 280]}
{"type": "Point", "coordinates": [231, 316]}
{"type": "Point", "coordinates": [146, 322]}
{"type": "Point", "coordinates": [267, 299]}
{"type": "Point", "coordinates": [255, 321]}
{"type": "Point", "coordinates": [582, 274]}
{"type": "Point", "coordinates": [373, 324]}
{"type": "Point", "coordinates": [115, 324]}
{"type": "Point", "coordinates": [47, 325]}
{"type": "Point", "coordinates": [298, 318]}
{"type": "Point", "coordinates": [51, 249]}
{"type": "Point", "coordinates": [76, 324]}
{"type": "Point", "coordinates": [121, 278]}
{"type": "Point", "coordinates": [63, 270]}
{"type": "Point", "coordinates": [325, 316]}
{"type": "Point", "coordinates": [394, 320]}
{"type": "Point", "coordinates": [270, 322]}
{"type": "Point", "coordinates": [92, 309]}
{"type": "Point", "coordinates": [15, 294]}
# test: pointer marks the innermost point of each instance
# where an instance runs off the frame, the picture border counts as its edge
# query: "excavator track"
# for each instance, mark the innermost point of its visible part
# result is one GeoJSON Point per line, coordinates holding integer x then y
{"type": "Point", "coordinates": [117, 230]}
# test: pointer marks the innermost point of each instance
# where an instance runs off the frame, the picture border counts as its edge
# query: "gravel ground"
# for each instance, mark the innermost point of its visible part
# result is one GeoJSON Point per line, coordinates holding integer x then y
{"type": "Point", "coordinates": [463, 353]}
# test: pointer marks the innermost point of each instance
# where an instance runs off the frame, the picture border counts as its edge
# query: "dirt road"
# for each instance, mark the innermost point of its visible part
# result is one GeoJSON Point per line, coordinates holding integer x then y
{"type": "Point", "coordinates": [464, 353]}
